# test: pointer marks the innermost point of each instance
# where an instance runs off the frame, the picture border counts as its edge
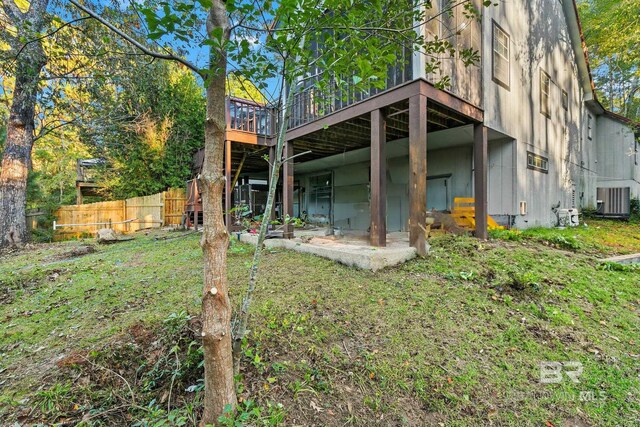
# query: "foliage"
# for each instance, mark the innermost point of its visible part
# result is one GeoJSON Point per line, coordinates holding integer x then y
{"type": "Point", "coordinates": [160, 111]}
{"type": "Point", "coordinates": [613, 36]}
{"type": "Point", "coordinates": [635, 209]}
{"type": "Point", "coordinates": [248, 413]}
{"type": "Point", "coordinates": [241, 87]}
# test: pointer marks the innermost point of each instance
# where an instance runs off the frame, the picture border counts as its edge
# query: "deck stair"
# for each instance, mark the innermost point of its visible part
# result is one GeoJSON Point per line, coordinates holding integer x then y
{"type": "Point", "coordinates": [464, 214]}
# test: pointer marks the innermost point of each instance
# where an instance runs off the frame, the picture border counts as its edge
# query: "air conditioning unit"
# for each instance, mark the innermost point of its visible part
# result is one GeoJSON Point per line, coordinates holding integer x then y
{"type": "Point", "coordinates": [614, 202]}
{"type": "Point", "coordinates": [568, 218]}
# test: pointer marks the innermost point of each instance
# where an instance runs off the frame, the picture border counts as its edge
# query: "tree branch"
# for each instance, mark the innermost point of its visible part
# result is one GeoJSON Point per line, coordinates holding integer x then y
{"type": "Point", "coordinates": [44, 131]}
{"type": "Point", "coordinates": [37, 39]}
{"type": "Point", "coordinates": [137, 44]}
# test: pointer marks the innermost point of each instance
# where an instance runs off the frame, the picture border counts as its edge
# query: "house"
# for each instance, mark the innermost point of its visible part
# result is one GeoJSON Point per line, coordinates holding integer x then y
{"type": "Point", "coordinates": [521, 132]}
{"type": "Point", "coordinates": [618, 165]}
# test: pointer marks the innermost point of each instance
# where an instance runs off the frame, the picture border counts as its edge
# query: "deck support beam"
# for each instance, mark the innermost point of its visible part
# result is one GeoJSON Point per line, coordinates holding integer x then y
{"type": "Point", "coordinates": [227, 184]}
{"type": "Point", "coordinates": [480, 149]}
{"type": "Point", "coordinates": [378, 230]}
{"type": "Point", "coordinates": [287, 189]}
{"type": "Point", "coordinates": [418, 172]}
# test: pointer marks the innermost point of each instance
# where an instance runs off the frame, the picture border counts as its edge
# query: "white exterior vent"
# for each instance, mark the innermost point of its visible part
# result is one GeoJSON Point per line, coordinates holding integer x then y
{"type": "Point", "coordinates": [614, 202]}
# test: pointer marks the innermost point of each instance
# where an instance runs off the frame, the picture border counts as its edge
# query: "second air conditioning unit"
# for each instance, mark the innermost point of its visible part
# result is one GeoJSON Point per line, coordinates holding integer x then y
{"type": "Point", "coordinates": [614, 202]}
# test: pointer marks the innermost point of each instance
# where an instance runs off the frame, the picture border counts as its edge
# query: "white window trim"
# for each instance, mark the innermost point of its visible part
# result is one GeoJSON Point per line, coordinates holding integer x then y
{"type": "Point", "coordinates": [494, 39]}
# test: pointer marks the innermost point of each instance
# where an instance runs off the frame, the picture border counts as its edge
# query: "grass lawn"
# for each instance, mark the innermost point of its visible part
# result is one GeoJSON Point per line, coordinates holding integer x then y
{"type": "Point", "coordinates": [110, 337]}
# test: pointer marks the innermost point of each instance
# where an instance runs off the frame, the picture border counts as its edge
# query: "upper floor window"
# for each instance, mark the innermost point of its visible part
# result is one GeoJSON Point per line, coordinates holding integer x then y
{"type": "Point", "coordinates": [501, 58]}
{"type": "Point", "coordinates": [565, 100]}
{"type": "Point", "coordinates": [545, 90]}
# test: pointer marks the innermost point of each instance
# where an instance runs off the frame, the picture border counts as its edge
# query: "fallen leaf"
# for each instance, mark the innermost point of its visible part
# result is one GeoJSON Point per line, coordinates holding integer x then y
{"type": "Point", "coordinates": [549, 424]}
{"type": "Point", "coordinates": [449, 380]}
{"type": "Point", "coordinates": [315, 406]}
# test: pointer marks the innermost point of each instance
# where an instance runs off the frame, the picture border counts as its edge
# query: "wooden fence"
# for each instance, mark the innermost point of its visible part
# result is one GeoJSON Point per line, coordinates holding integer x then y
{"type": "Point", "coordinates": [125, 216]}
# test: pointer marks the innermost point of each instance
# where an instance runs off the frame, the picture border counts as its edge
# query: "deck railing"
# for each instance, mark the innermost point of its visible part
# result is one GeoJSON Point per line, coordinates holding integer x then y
{"type": "Point", "coordinates": [251, 117]}
{"type": "Point", "coordinates": [308, 104]}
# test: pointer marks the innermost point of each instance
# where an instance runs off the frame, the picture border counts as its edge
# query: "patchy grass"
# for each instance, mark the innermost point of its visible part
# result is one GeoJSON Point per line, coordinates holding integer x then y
{"type": "Point", "coordinates": [594, 236]}
{"type": "Point", "coordinates": [111, 337]}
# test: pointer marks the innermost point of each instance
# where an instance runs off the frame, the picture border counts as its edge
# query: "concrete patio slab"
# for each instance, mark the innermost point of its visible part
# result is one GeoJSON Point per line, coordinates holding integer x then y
{"type": "Point", "coordinates": [352, 249]}
{"type": "Point", "coordinates": [624, 259]}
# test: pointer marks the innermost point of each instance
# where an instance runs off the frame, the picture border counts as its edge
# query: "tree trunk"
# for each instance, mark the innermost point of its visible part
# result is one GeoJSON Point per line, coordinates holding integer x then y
{"type": "Point", "coordinates": [16, 159]}
{"type": "Point", "coordinates": [220, 391]}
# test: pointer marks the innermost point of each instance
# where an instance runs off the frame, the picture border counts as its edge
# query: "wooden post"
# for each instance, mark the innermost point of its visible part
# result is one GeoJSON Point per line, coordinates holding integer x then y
{"type": "Point", "coordinates": [480, 179]}
{"type": "Point", "coordinates": [287, 189]}
{"type": "Point", "coordinates": [78, 194]}
{"type": "Point", "coordinates": [417, 172]}
{"type": "Point", "coordinates": [227, 185]}
{"type": "Point", "coordinates": [378, 231]}
{"type": "Point", "coordinates": [163, 207]}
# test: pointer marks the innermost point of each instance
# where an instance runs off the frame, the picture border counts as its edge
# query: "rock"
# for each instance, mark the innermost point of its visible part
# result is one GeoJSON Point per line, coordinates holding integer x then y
{"type": "Point", "coordinates": [106, 235]}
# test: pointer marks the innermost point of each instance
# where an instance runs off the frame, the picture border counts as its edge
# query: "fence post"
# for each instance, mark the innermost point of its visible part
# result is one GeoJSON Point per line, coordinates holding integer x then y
{"type": "Point", "coordinates": [127, 225]}
{"type": "Point", "coordinates": [163, 208]}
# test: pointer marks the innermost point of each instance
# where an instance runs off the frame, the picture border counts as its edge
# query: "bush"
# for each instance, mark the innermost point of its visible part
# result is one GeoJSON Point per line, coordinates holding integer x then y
{"type": "Point", "coordinates": [635, 209]}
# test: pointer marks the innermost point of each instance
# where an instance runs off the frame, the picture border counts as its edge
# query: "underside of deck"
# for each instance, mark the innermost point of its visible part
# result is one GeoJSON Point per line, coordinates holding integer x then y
{"type": "Point", "coordinates": [412, 111]}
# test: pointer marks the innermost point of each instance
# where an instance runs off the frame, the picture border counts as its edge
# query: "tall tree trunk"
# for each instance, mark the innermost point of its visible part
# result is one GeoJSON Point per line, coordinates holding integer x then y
{"type": "Point", "coordinates": [220, 391]}
{"type": "Point", "coordinates": [16, 159]}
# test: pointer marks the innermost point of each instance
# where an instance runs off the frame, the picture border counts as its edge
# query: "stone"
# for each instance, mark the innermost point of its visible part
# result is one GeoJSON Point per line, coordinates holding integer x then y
{"type": "Point", "coordinates": [106, 235]}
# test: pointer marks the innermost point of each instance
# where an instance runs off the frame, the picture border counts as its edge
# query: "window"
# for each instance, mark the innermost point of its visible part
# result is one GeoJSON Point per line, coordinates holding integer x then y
{"type": "Point", "coordinates": [589, 126]}
{"type": "Point", "coordinates": [545, 89]}
{"type": "Point", "coordinates": [501, 72]}
{"type": "Point", "coordinates": [565, 100]}
{"type": "Point", "coordinates": [537, 162]}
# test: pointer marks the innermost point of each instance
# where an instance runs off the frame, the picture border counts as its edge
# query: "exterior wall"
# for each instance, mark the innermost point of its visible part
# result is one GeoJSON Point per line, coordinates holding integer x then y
{"type": "Point", "coordinates": [618, 162]}
{"type": "Point", "coordinates": [351, 191]}
{"type": "Point", "coordinates": [501, 178]}
{"type": "Point", "coordinates": [582, 153]}
{"type": "Point", "coordinates": [462, 32]}
{"type": "Point", "coordinates": [539, 41]}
